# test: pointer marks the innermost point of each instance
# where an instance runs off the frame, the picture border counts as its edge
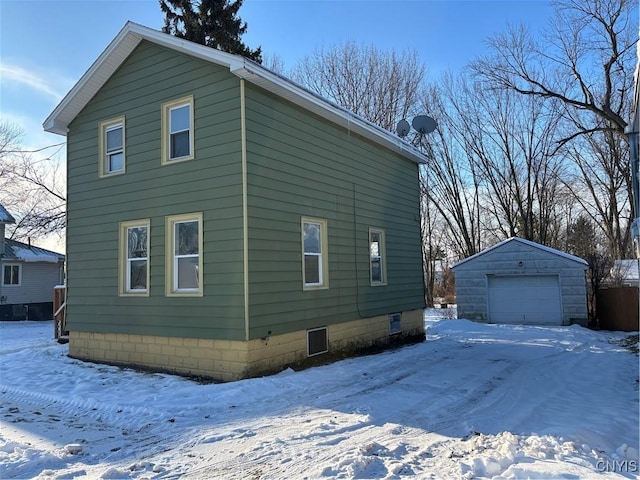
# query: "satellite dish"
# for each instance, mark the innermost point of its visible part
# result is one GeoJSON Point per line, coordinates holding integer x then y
{"type": "Point", "coordinates": [424, 124]}
{"type": "Point", "coordinates": [403, 128]}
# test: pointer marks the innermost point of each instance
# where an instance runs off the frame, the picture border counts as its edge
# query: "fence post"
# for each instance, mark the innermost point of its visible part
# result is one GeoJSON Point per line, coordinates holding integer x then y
{"type": "Point", "coordinates": [60, 310]}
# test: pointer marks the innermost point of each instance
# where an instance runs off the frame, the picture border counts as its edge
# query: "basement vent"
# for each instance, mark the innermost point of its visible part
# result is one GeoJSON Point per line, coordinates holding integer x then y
{"type": "Point", "coordinates": [395, 325]}
{"type": "Point", "coordinates": [317, 341]}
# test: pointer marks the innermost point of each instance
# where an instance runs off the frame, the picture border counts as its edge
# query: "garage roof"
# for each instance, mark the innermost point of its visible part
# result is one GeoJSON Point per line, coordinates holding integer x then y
{"type": "Point", "coordinates": [525, 242]}
{"type": "Point", "coordinates": [132, 34]}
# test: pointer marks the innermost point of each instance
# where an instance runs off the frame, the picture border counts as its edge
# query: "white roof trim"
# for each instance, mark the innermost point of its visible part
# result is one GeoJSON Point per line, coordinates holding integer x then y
{"type": "Point", "coordinates": [132, 34]}
{"type": "Point", "coordinates": [553, 251]}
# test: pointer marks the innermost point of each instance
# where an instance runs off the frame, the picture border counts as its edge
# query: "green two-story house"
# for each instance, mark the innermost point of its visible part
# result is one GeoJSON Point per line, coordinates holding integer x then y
{"type": "Point", "coordinates": [223, 221]}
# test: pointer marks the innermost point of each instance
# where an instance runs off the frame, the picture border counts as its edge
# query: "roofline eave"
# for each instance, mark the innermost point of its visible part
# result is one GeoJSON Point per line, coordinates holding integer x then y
{"type": "Point", "coordinates": [132, 34]}
{"type": "Point", "coordinates": [539, 246]}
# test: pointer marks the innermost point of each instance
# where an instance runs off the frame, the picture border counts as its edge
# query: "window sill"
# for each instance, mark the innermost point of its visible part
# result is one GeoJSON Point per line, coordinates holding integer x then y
{"type": "Point", "coordinates": [111, 174]}
{"type": "Point", "coordinates": [307, 288]}
{"type": "Point", "coordinates": [184, 294]}
{"type": "Point", "coordinates": [177, 160]}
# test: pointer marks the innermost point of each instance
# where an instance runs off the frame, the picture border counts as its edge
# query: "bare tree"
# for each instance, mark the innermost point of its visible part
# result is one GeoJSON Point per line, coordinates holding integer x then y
{"type": "Point", "coordinates": [601, 185]}
{"type": "Point", "coordinates": [513, 147]}
{"type": "Point", "coordinates": [494, 169]}
{"type": "Point", "coordinates": [381, 87]}
{"type": "Point", "coordinates": [9, 146]}
{"type": "Point", "coordinates": [433, 232]}
{"type": "Point", "coordinates": [584, 62]}
{"type": "Point", "coordinates": [275, 63]}
{"type": "Point", "coordinates": [450, 179]}
{"type": "Point", "coordinates": [33, 190]}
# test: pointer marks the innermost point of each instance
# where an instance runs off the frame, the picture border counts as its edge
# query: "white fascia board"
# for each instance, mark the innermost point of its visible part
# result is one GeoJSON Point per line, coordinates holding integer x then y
{"type": "Point", "coordinates": [109, 61]}
{"type": "Point", "coordinates": [92, 80]}
{"type": "Point", "coordinates": [539, 246]}
{"type": "Point", "coordinates": [560, 253]}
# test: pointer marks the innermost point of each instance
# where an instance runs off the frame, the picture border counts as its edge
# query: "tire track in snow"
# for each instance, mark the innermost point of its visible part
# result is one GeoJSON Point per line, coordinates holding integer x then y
{"type": "Point", "coordinates": [114, 414]}
{"type": "Point", "coordinates": [328, 430]}
{"type": "Point", "coordinates": [111, 430]}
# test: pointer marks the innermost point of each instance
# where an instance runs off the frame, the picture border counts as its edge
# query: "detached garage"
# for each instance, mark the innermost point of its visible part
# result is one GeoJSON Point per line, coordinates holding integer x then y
{"type": "Point", "coordinates": [522, 282]}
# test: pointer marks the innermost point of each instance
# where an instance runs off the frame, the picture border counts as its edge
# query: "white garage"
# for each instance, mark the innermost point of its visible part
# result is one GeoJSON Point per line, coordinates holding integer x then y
{"type": "Point", "coordinates": [522, 282]}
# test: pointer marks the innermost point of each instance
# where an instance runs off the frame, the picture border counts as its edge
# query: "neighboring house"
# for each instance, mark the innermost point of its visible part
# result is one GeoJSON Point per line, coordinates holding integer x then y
{"type": "Point", "coordinates": [223, 221]}
{"type": "Point", "coordinates": [29, 275]}
{"type": "Point", "coordinates": [625, 273]}
{"type": "Point", "coordinates": [521, 282]}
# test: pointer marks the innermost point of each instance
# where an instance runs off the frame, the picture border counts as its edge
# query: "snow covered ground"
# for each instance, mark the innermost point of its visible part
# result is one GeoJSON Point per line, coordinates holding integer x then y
{"type": "Point", "coordinates": [473, 401]}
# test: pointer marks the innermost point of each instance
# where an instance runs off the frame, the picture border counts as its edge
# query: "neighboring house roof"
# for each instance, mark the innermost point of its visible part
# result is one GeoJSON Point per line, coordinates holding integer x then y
{"type": "Point", "coordinates": [5, 216]}
{"type": "Point", "coordinates": [132, 34]}
{"type": "Point", "coordinates": [524, 242]}
{"type": "Point", "coordinates": [18, 251]}
{"type": "Point", "coordinates": [627, 269]}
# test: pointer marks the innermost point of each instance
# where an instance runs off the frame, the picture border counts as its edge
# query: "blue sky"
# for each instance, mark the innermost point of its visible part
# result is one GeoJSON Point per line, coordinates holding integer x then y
{"type": "Point", "coordinates": [46, 45]}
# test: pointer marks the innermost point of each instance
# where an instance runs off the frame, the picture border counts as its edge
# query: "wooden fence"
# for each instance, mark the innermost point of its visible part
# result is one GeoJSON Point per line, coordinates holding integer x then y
{"type": "Point", "coordinates": [618, 309]}
{"type": "Point", "coordinates": [59, 312]}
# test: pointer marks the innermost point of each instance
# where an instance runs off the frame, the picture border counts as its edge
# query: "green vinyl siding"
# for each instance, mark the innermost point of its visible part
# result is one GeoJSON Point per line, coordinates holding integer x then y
{"type": "Point", "coordinates": [298, 165]}
{"type": "Point", "coordinates": [302, 166]}
{"type": "Point", "coordinates": [211, 184]}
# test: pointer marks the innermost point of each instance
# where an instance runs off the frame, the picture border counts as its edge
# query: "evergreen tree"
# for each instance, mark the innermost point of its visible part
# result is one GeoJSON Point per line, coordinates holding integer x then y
{"type": "Point", "coordinates": [213, 23]}
{"type": "Point", "coordinates": [581, 237]}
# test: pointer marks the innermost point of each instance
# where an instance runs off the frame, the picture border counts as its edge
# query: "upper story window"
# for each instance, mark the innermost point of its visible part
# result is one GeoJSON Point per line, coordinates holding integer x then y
{"type": "Point", "coordinates": [12, 275]}
{"type": "Point", "coordinates": [184, 259]}
{"type": "Point", "coordinates": [177, 130]}
{"type": "Point", "coordinates": [134, 255]}
{"type": "Point", "coordinates": [315, 255]}
{"type": "Point", "coordinates": [112, 147]}
{"type": "Point", "coordinates": [377, 261]}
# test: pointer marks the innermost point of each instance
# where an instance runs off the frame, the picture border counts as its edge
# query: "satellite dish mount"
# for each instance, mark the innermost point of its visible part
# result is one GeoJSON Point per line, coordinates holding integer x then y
{"type": "Point", "coordinates": [422, 124]}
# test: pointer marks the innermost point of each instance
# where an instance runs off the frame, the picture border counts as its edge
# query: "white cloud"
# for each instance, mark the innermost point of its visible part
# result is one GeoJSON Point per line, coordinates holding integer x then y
{"type": "Point", "coordinates": [17, 74]}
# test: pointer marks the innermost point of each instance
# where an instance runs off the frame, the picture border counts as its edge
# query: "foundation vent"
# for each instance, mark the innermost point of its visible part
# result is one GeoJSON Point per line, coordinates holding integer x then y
{"type": "Point", "coordinates": [395, 324]}
{"type": "Point", "coordinates": [317, 341]}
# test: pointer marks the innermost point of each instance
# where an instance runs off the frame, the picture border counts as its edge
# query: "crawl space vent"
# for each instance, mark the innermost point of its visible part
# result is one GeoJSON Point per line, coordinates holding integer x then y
{"type": "Point", "coordinates": [317, 341]}
{"type": "Point", "coordinates": [395, 325]}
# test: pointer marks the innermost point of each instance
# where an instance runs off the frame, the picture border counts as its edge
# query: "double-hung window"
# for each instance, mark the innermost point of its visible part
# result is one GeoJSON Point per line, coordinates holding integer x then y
{"type": "Point", "coordinates": [177, 130]}
{"type": "Point", "coordinates": [134, 254]}
{"type": "Point", "coordinates": [11, 275]}
{"type": "Point", "coordinates": [377, 261]}
{"type": "Point", "coordinates": [112, 147]}
{"type": "Point", "coordinates": [314, 247]}
{"type": "Point", "coordinates": [184, 255]}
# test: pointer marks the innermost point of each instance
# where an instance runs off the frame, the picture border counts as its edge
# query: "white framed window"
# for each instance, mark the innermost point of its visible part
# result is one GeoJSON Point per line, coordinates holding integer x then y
{"type": "Point", "coordinates": [315, 272]}
{"type": "Point", "coordinates": [12, 275]}
{"type": "Point", "coordinates": [177, 130]}
{"type": "Point", "coordinates": [184, 255]}
{"type": "Point", "coordinates": [377, 260]}
{"type": "Point", "coordinates": [112, 147]}
{"type": "Point", "coordinates": [134, 257]}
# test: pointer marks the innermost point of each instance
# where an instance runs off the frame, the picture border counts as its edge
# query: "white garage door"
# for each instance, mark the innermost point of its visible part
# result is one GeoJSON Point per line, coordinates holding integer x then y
{"type": "Point", "coordinates": [528, 300]}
